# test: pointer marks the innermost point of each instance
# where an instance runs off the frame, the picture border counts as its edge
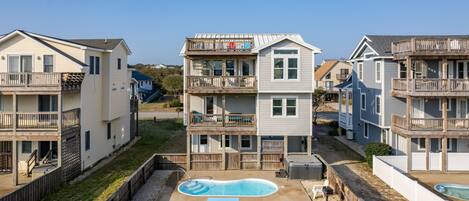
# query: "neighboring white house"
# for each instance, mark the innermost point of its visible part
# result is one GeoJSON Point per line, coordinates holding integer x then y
{"type": "Point", "coordinates": [248, 94]}
{"type": "Point", "coordinates": [66, 101]}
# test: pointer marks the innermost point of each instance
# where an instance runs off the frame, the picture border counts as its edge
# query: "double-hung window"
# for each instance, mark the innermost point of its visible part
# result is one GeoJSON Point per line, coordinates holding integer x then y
{"type": "Point", "coordinates": [360, 71]}
{"type": "Point", "coordinates": [48, 63]}
{"type": "Point", "coordinates": [363, 101]}
{"type": "Point", "coordinates": [94, 65]}
{"type": "Point", "coordinates": [378, 104]}
{"type": "Point", "coordinates": [119, 64]}
{"type": "Point", "coordinates": [87, 140]}
{"type": "Point", "coordinates": [285, 64]}
{"type": "Point", "coordinates": [378, 66]}
{"type": "Point", "coordinates": [284, 107]}
{"type": "Point", "coordinates": [246, 142]}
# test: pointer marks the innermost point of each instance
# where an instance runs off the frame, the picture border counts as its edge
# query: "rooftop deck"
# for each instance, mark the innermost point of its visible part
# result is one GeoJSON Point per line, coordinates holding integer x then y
{"type": "Point", "coordinates": [40, 82]}
{"type": "Point", "coordinates": [431, 47]}
{"type": "Point", "coordinates": [219, 46]}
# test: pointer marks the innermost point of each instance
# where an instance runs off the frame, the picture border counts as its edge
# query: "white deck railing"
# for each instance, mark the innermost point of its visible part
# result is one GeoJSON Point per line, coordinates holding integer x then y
{"type": "Point", "coordinates": [344, 122]}
{"type": "Point", "coordinates": [397, 180]}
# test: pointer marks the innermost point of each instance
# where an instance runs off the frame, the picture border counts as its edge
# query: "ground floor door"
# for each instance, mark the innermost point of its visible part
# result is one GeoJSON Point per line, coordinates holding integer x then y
{"type": "Point", "coordinates": [232, 161]}
{"type": "Point", "coordinates": [44, 147]}
{"type": "Point", "coordinates": [5, 156]}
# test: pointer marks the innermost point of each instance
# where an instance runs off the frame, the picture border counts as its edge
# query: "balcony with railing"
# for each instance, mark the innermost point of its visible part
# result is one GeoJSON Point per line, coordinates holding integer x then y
{"type": "Point", "coordinates": [430, 87]}
{"type": "Point", "coordinates": [40, 81]}
{"type": "Point", "coordinates": [221, 84]}
{"type": "Point", "coordinates": [340, 76]}
{"type": "Point", "coordinates": [430, 126]}
{"type": "Point", "coordinates": [27, 123]}
{"type": "Point", "coordinates": [430, 47]}
{"type": "Point", "coordinates": [218, 122]}
{"type": "Point", "coordinates": [219, 46]}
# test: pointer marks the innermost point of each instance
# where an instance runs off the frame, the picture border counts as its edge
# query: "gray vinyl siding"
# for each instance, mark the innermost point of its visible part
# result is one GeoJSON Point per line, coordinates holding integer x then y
{"type": "Point", "coordinates": [305, 72]}
{"type": "Point", "coordinates": [434, 145]}
{"type": "Point", "coordinates": [372, 89]}
{"type": "Point", "coordinates": [392, 105]}
{"type": "Point", "coordinates": [293, 126]}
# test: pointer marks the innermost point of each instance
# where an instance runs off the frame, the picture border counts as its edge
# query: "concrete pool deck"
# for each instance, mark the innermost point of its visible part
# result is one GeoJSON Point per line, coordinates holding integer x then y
{"type": "Point", "coordinates": [431, 179]}
{"type": "Point", "coordinates": [288, 189]}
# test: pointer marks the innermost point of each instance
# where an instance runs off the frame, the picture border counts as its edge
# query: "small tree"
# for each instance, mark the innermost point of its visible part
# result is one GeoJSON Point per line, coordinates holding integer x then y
{"type": "Point", "coordinates": [173, 84]}
{"type": "Point", "coordinates": [318, 100]}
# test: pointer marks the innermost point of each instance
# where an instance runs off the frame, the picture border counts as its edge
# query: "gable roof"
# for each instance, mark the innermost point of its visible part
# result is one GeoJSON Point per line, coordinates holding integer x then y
{"type": "Point", "coordinates": [105, 44]}
{"type": "Point", "coordinates": [346, 84]}
{"type": "Point", "coordinates": [382, 44]}
{"type": "Point", "coordinates": [261, 41]}
{"type": "Point", "coordinates": [140, 76]}
{"type": "Point", "coordinates": [324, 69]}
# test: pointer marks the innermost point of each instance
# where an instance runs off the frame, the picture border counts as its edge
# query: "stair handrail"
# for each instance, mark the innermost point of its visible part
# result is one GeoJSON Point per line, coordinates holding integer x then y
{"type": "Point", "coordinates": [46, 157]}
{"type": "Point", "coordinates": [32, 162]}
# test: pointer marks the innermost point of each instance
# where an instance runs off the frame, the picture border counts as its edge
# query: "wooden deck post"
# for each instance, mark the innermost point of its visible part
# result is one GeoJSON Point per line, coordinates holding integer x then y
{"type": "Point", "coordinates": [309, 144]}
{"type": "Point", "coordinates": [14, 161]}
{"type": "Point", "coordinates": [409, 154]}
{"type": "Point", "coordinates": [59, 130]}
{"type": "Point", "coordinates": [285, 146]}
{"type": "Point", "coordinates": [223, 151]}
{"type": "Point", "coordinates": [188, 150]}
{"type": "Point", "coordinates": [444, 154]}
{"type": "Point", "coordinates": [259, 149]}
{"type": "Point", "coordinates": [427, 153]}
{"type": "Point", "coordinates": [408, 111]}
{"type": "Point", "coordinates": [239, 150]}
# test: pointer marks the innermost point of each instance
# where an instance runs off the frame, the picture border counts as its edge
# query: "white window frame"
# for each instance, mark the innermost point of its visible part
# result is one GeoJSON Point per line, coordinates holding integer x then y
{"type": "Point", "coordinates": [440, 103]}
{"type": "Point", "coordinates": [363, 99]}
{"type": "Point", "coordinates": [53, 62]}
{"type": "Point", "coordinates": [360, 70]}
{"type": "Point", "coordinates": [33, 66]}
{"type": "Point", "coordinates": [378, 77]}
{"type": "Point", "coordinates": [419, 144]}
{"type": "Point", "coordinates": [376, 104]}
{"type": "Point", "coordinates": [284, 106]}
{"type": "Point", "coordinates": [285, 58]}
{"type": "Point", "coordinates": [230, 143]}
{"type": "Point", "coordinates": [200, 139]}
{"type": "Point", "coordinates": [250, 142]}
{"type": "Point", "coordinates": [366, 131]}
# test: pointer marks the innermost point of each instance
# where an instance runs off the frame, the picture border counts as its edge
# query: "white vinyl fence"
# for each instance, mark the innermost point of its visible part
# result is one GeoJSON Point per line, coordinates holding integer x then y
{"type": "Point", "coordinates": [397, 180]}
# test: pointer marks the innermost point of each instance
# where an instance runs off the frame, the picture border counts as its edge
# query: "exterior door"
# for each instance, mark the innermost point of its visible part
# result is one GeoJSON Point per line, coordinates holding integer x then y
{"type": "Point", "coordinates": [247, 67]}
{"type": "Point", "coordinates": [461, 108]}
{"type": "Point", "coordinates": [210, 104]}
{"type": "Point", "coordinates": [462, 70]}
{"type": "Point", "coordinates": [47, 103]}
{"type": "Point", "coordinates": [203, 144]}
{"type": "Point", "coordinates": [419, 108]}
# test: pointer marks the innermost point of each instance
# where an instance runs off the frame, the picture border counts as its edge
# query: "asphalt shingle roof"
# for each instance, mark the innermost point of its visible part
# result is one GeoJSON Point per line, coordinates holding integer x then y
{"type": "Point", "coordinates": [105, 44]}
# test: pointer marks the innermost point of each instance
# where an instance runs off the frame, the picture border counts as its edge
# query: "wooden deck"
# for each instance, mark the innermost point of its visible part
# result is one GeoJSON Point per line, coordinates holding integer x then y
{"type": "Point", "coordinates": [229, 124]}
{"type": "Point", "coordinates": [431, 46]}
{"type": "Point", "coordinates": [39, 82]}
{"type": "Point", "coordinates": [221, 84]}
{"type": "Point", "coordinates": [430, 127]}
{"type": "Point", "coordinates": [219, 46]}
{"type": "Point", "coordinates": [428, 87]}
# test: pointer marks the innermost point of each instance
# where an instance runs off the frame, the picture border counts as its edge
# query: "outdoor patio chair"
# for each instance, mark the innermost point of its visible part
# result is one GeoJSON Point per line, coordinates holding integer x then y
{"type": "Point", "coordinates": [318, 189]}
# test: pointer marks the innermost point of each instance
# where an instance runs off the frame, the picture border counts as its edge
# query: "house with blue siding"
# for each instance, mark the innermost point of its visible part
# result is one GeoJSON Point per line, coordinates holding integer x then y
{"type": "Point", "coordinates": [411, 92]}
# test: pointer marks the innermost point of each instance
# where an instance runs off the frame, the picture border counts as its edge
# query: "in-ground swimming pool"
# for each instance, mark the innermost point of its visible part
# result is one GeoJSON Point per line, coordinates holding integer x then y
{"type": "Point", "coordinates": [454, 190]}
{"type": "Point", "coordinates": [241, 188]}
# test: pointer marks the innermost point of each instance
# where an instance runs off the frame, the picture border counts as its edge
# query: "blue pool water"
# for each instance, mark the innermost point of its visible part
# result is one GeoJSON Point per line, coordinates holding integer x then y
{"type": "Point", "coordinates": [240, 188]}
{"type": "Point", "coordinates": [454, 190]}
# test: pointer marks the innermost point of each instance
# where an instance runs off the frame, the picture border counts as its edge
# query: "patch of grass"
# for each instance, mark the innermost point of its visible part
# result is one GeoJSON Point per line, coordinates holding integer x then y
{"type": "Point", "coordinates": [102, 183]}
{"type": "Point", "coordinates": [162, 105]}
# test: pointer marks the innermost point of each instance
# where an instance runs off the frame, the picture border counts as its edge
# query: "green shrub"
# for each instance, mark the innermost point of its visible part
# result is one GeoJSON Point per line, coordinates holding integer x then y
{"type": "Point", "coordinates": [175, 103]}
{"type": "Point", "coordinates": [166, 105]}
{"type": "Point", "coordinates": [334, 132]}
{"type": "Point", "coordinates": [377, 149]}
{"type": "Point", "coordinates": [333, 124]}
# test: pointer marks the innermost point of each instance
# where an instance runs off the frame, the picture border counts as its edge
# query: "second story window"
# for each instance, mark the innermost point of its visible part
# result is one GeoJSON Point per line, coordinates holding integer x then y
{"type": "Point", "coordinates": [285, 64]}
{"type": "Point", "coordinates": [94, 65]}
{"type": "Point", "coordinates": [378, 104]}
{"type": "Point", "coordinates": [328, 75]}
{"type": "Point", "coordinates": [378, 71]}
{"type": "Point", "coordinates": [277, 107]}
{"type": "Point", "coordinates": [402, 70]}
{"type": "Point", "coordinates": [291, 106]}
{"type": "Point", "coordinates": [119, 64]}
{"type": "Point", "coordinates": [284, 107]}
{"type": "Point", "coordinates": [48, 63]}
{"type": "Point", "coordinates": [360, 71]}
{"type": "Point", "coordinates": [363, 101]}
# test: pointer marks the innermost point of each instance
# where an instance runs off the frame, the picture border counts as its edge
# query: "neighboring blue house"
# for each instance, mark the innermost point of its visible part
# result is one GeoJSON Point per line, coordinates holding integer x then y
{"type": "Point", "coordinates": [412, 92]}
{"type": "Point", "coordinates": [144, 84]}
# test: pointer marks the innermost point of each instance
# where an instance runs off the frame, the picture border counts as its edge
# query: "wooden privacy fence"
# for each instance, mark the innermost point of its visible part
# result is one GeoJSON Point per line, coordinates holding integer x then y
{"type": "Point", "coordinates": [38, 188]}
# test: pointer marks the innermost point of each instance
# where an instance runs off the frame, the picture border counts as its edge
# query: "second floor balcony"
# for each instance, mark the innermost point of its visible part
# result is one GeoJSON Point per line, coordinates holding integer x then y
{"type": "Point", "coordinates": [430, 87]}
{"type": "Point", "coordinates": [341, 76]}
{"type": "Point", "coordinates": [430, 126]}
{"type": "Point", "coordinates": [40, 81]}
{"type": "Point", "coordinates": [242, 123]}
{"type": "Point", "coordinates": [221, 84]}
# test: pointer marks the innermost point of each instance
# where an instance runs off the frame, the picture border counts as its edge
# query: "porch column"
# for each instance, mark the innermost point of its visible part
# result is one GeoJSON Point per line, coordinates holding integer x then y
{"type": "Point", "coordinates": [409, 73]}
{"type": "Point", "coordinates": [223, 102]}
{"type": "Point", "coordinates": [15, 118]}
{"type": "Point", "coordinates": [188, 150]}
{"type": "Point", "coordinates": [408, 110]}
{"type": "Point", "coordinates": [14, 161]}
{"type": "Point", "coordinates": [223, 151]}
{"type": "Point", "coordinates": [340, 101]}
{"type": "Point", "coordinates": [347, 99]}
{"type": "Point", "coordinates": [187, 104]}
{"type": "Point", "coordinates": [239, 150]}
{"type": "Point", "coordinates": [59, 126]}
{"type": "Point", "coordinates": [444, 111]}
{"type": "Point", "coordinates": [409, 154]}
{"type": "Point", "coordinates": [285, 146]}
{"type": "Point", "coordinates": [309, 144]}
{"type": "Point", "coordinates": [427, 153]}
{"type": "Point", "coordinates": [259, 144]}
{"type": "Point", "coordinates": [444, 154]}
